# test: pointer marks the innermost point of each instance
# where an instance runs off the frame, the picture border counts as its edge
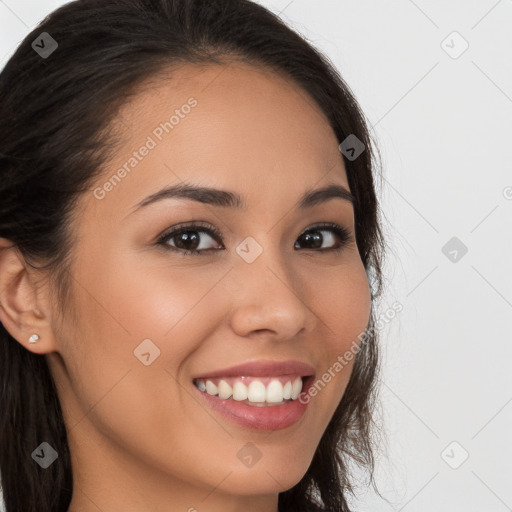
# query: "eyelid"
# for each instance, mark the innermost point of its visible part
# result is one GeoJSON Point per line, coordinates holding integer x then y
{"type": "Point", "coordinates": [190, 225]}
{"type": "Point", "coordinates": [344, 234]}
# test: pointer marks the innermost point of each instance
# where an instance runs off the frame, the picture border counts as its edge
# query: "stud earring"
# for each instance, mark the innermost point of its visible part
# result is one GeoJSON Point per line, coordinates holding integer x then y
{"type": "Point", "coordinates": [33, 338]}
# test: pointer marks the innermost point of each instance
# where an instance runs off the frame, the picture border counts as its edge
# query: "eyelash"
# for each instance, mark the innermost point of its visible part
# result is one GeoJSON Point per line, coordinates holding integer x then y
{"type": "Point", "coordinates": [341, 232]}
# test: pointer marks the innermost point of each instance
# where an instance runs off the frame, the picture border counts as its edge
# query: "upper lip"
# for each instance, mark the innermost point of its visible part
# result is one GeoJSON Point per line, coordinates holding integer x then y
{"type": "Point", "coordinates": [262, 369]}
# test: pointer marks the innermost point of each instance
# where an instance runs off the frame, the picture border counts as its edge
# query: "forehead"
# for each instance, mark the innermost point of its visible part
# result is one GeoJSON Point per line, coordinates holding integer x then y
{"type": "Point", "coordinates": [256, 106]}
{"type": "Point", "coordinates": [233, 126]}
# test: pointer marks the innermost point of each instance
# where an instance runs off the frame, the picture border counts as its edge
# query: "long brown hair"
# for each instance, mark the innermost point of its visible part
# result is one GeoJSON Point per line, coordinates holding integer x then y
{"type": "Point", "coordinates": [54, 138]}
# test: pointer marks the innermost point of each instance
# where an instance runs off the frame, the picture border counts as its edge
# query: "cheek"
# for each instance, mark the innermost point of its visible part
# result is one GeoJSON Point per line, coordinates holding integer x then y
{"type": "Point", "coordinates": [130, 315]}
{"type": "Point", "coordinates": [344, 311]}
{"type": "Point", "coordinates": [344, 305]}
{"type": "Point", "coordinates": [131, 302]}
{"type": "Point", "coordinates": [112, 391]}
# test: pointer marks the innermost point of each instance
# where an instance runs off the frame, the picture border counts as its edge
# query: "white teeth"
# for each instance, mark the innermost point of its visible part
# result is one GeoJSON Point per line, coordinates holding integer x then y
{"type": "Point", "coordinates": [239, 391]}
{"type": "Point", "coordinates": [275, 392]}
{"type": "Point", "coordinates": [256, 391]}
{"type": "Point", "coordinates": [225, 390]}
{"type": "Point", "coordinates": [287, 391]}
{"type": "Point", "coordinates": [211, 388]}
{"type": "Point", "coordinates": [297, 386]}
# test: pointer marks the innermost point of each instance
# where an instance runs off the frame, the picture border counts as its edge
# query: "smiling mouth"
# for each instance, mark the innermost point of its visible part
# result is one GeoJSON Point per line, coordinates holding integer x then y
{"type": "Point", "coordinates": [256, 391]}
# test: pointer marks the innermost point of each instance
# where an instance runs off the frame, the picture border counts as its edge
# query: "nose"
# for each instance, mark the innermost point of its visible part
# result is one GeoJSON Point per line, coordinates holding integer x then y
{"type": "Point", "coordinates": [268, 299]}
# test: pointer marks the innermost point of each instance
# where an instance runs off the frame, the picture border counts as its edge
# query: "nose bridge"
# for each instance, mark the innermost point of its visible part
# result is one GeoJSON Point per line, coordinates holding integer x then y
{"type": "Point", "coordinates": [269, 297]}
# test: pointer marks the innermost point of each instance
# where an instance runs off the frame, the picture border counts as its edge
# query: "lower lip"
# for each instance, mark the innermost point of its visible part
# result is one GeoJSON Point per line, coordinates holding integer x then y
{"type": "Point", "coordinates": [273, 417]}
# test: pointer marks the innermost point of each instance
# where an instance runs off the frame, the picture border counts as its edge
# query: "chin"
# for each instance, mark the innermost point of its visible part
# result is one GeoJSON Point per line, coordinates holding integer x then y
{"type": "Point", "coordinates": [266, 479]}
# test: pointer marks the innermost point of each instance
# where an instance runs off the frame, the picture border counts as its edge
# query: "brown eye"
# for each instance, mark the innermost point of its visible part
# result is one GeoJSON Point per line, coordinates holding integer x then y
{"type": "Point", "coordinates": [313, 239]}
{"type": "Point", "coordinates": [190, 239]}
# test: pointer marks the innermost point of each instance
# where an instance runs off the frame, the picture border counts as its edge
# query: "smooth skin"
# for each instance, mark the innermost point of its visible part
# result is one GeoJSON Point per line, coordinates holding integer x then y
{"type": "Point", "coordinates": [140, 439]}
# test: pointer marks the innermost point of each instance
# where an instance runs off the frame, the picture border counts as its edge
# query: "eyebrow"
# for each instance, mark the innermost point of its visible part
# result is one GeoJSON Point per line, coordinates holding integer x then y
{"type": "Point", "coordinates": [227, 199]}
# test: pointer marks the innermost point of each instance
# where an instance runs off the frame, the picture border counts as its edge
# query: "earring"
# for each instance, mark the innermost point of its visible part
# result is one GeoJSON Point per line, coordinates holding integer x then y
{"type": "Point", "coordinates": [33, 338]}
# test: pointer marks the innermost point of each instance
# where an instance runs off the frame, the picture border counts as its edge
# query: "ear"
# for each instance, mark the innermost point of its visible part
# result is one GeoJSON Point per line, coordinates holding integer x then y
{"type": "Point", "coordinates": [24, 306]}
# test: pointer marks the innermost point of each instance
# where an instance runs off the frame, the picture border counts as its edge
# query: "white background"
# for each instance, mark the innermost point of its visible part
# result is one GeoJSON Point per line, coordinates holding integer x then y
{"type": "Point", "coordinates": [444, 126]}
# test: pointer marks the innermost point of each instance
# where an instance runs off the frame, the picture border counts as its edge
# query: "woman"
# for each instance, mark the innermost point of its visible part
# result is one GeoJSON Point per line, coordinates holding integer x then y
{"type": "Point", "coordinates": [190, 258]}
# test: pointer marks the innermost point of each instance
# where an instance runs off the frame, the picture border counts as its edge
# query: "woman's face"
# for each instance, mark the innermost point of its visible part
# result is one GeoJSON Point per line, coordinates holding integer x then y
{"type": "Point", "coordinates": [150, 318]}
